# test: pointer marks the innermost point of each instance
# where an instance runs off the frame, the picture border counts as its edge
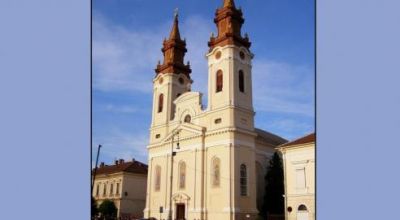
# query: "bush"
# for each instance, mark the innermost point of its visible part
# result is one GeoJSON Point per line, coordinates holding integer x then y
{"type": "Point", "coordinates": [108, 210]}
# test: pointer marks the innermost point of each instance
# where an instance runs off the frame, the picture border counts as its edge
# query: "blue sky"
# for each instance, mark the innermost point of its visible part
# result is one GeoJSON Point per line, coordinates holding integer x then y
{"type": "Point", "coordinates": [127, 38]}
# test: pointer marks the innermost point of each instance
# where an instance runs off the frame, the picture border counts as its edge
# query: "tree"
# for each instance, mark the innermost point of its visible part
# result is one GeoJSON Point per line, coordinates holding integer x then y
{"type": "Point", "coordinates": [274, 191]}
{"type": "Point", "coordinates": [108, 210]}
{"type": "Point", "coordinates": [94, 210]}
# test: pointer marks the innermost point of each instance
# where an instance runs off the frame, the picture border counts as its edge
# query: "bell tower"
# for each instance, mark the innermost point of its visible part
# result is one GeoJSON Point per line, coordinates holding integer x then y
{"type": "Point", "coordinates": [229, 64]}
{"type": "Point", "coordinates": [172, 77]}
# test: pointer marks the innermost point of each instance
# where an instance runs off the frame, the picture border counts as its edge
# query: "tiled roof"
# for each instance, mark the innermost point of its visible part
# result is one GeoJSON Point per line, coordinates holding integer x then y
{"type": "Point", "coordinates": [303, 140]}
{"type": "Point", "coordinates": [121, 166]}
{"type": "Point", "coordinates": [269, 137]}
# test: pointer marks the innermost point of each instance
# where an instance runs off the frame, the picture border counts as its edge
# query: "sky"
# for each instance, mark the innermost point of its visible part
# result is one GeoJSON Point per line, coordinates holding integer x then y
{"type": "Point", "coordinates": [127, 40]}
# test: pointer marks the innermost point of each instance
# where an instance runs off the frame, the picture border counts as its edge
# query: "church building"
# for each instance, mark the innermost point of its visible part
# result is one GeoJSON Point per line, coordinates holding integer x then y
{"type": "Point", "coordinates": [207, 162]}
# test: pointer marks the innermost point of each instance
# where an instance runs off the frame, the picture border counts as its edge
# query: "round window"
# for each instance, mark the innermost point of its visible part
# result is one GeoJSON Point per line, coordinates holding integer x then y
{"type": "Point", "coordinates": [241, 54]}
{"type": "Point", "coordinates": [181, 80]}
{"type": "Point", "coordinates": [218, 55]}
{"type": "Point", "coordinates": [187, 119]}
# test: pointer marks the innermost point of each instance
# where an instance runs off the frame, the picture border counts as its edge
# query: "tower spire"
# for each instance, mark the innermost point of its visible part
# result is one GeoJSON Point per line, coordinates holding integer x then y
{"type": "Point", "coordinates": [229, 3]}
{"type": "Point", "coordinates": [174, 50]}
{"type": "Point", "coordinates": [175, 28]}
{"type": "Point", "coordinates": [229, 21]}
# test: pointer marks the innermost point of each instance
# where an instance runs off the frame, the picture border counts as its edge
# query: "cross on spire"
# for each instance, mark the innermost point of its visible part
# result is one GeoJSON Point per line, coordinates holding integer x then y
{"type": "Point", "coordinates": [229, 21]}
{"type": "Point", "coordinates": [174, 49]}
{"type": "Point", "coordinates": [175, 28]}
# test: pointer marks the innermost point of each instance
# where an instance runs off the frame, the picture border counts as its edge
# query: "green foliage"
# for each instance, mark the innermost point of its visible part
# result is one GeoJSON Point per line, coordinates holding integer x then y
{"type": "Point", "coordinates": [108, 210]}
{"type": "Point", "coordinates": [94, 209]}
{"type": "Point", "coordinates": [274, 188]}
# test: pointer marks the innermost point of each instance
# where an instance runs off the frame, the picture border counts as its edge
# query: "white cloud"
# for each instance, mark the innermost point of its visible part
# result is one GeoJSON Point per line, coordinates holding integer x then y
{"type": "Point", "coordinates": [125, 109]}
{"type": "Point", "coordinates": [118, 144]}
{"type": "Point", "coordinates": [124, 59]}
{"type": "Point", "coordinates": [283, 88]}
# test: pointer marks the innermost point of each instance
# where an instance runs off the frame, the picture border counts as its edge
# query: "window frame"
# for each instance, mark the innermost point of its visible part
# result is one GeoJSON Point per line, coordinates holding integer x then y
{"type": "Point", "coordinates": [219, 81]}
{"type": "Point", "coordinates": [160, 103]}
{"type": "Point", "coordinates": [182, 173]}
{"type": "Point", "coordinates": [243, 180]}
{"type": "Point", "coordinates": [241, 81]}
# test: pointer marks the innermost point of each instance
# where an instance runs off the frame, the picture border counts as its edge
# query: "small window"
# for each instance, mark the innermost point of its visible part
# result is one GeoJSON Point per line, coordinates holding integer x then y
{"type": "Point", "coordinates": [241, 81]}
{"type": "Point", "coordinates": [111, 189]}
{"type": "Point", "coordinates": [104, 189]}
{"type": "Point", "coordinates": [158, 136]}
{"type": "Point", "coordinates": [181, 80]}
{"type": "Point", "coordinates": [182, 175]}
{"type": "Point", "coordinates": [177, 95]}
{"type": "Point", "coordinates": [218, 121]}
{"type": "Point", "coordinates": [243, 180]}
{"type": "Point", "coordinates": [219, 83]}
{"type": "Point", "coordinates": [160, 102]}
{"type": "Point", "coordinates": [97, 189]}
{"type": "Point", "coordinates": [187, 119]}
{"type": "Point", "coordinates": [300, 178]}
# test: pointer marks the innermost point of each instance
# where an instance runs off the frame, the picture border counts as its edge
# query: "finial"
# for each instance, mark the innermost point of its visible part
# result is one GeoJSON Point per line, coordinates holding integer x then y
{"type": "Point", "coordinates": [176, 13]}
{"type": "Point", "coordinates": [246, 35]}
{"type": "Point", "coordinates": [212, 34]}
{"type": "Point", "coordinates": [188, 63]}
{"type": "Point", "coordinates": [159, 62]}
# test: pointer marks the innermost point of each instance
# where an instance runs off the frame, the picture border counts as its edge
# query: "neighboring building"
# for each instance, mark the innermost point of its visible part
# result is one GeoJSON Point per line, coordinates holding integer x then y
{"type": "Point", "coordinates": [125, 184]}
{"type": "Point", "coordinates": [299, 170]}
{"type": "Point", "coordinates": [219, 168]}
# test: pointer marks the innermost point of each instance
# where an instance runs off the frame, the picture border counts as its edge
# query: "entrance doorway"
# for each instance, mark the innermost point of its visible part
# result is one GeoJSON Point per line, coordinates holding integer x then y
{"type": "Point", "coordinates": [180, 211]}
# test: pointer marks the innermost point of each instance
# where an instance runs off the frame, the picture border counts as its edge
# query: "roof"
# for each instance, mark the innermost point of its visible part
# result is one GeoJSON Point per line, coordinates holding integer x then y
{"type": "Point", "coordinates": [122, 166]}
{"type": "Point", "coordinates": [310, 138]}
{"type": "Point", "coordinates": [269, 137]}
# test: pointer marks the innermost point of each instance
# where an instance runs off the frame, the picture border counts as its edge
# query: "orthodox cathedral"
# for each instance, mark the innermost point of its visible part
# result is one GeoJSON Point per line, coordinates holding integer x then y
{"type": "Point", "coordinates": [207, 162]}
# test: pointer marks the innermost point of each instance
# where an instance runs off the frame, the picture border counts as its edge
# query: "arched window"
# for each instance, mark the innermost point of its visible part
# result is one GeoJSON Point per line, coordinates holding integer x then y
{"type": "Point", "coordinates": [241, 81]}
{"type": "Point", "coordinates": [157, 181]}
{"type": "Point", "coordinates": [160, 102]}
{"type": "Point", "coordinates": [104, 189]}
{"type": "Point", "coordinates": [243, 180]}
{"type": "Point", "coordinates": [97, 189]}
{"type": "Point", "coordinates": [302, 208]}
{"type": "Point", "coordinates": [216, 172]}
{"type": "Point", "coordinates": [111, 189]}
{"type": "Point", "coordinates": [182, 175]}
{"type": "Point", "coordinates": [187, 119]}
{"type": "Point", "coordinates": [219, 83]}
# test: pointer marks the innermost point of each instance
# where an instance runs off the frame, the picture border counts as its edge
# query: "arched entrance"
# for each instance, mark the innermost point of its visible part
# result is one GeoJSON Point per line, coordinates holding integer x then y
{"type": "Point", "coordinates": [180, 204]}
{"type": "Point", "coordinates": [302, 212]}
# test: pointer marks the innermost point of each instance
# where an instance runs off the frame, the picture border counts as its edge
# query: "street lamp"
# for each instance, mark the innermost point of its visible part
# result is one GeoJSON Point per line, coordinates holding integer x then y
{"type": "Point", "coordinates": [172, 170]}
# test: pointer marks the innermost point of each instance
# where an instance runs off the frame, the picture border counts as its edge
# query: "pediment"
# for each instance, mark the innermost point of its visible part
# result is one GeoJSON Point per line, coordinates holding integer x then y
{"type": "Point", "coordinates": [185, 130]}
